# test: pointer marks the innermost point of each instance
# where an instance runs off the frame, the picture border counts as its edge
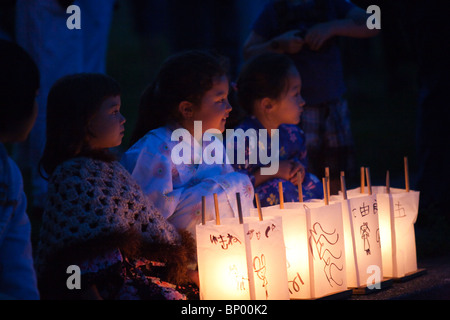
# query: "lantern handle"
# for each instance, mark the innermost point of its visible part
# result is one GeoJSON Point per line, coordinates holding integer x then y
{"type": "Point", "coordinates": [280, 191]}
{"type": "Point", "coordinates": [325, 190]}
{"type": "Point", "coordinates": [362, 179]}
{"type": "Point", "coordinates": [203, 210]}
{"type": "Point", "coordinates": [258, 206]}
{"type": "Point", "coordinates": [327, 175]}
{"type": "Point", "coordinates": [216, 206]}
{"type": "Point", "coordinates": [388, 182]}
{"type": "Point", "coordinates": [299, 185]}
{"type": "Point", "coordinates": [238, 199]}
{"type": "Point", "coordinates": [343, 186]}
{"type": "Point", "coordinates": [405, 161]}
{"type": "Point", "coordinates": [369, 183]}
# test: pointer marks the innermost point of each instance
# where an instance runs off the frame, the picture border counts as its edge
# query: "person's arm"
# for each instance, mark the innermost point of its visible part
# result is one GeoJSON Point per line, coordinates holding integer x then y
{"type": "Point", "coordinates": [288, 42]}
{"type": "Point", "coordinates": [353, 25]}
{"type": "Point", "coordinates": [287, 170]}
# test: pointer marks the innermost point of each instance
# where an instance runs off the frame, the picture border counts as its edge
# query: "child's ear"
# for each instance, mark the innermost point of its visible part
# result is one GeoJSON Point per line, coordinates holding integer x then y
{"type": "Point", "coordinates": [267, 104]}
{"type": "Point", "coordinates": [186, 109]}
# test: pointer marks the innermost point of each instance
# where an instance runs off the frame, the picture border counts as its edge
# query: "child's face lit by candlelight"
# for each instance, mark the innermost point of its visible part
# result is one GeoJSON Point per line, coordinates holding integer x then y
{"type": "Point", "coordinates": [107, 127]}
{"type": "Point", "coordinates": [213, 110]}
{"type": "Point", "coordinates": [289, 108]}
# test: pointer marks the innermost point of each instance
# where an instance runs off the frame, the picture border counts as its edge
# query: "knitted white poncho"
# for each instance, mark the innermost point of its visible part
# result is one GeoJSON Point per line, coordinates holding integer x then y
{"type": "Point", "coordinates": [92, 199]}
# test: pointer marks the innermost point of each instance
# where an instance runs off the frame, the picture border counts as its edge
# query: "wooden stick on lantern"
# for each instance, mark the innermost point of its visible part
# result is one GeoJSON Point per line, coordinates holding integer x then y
{"type": "Point", "coordinates": [405, 160]}
{"type": "Point", "coordinates": [325, 191]}
{"type": "Point", "coordinates": [299, 185]}
{"type": "Point", "coordinates": [327, 175]}
{"type": "Point", "coordinates": [203, 210]}
{"type": "Point", "coordinates": [369, 184]}
{"type": "Point", "coordinates": [238, 199]}
{"type": "Point", "coordinates": [216, 206]}
{"type": "Point", "coordinates": [280, 191]}
{"type": "Point", "coordinates": [388, 182]}
{"type": "Point", "coordinates": [258, 206]}
{"type": "Point", "coordinates": [362, 179]}
{"type": "Point", "coordinates": [343, 186]}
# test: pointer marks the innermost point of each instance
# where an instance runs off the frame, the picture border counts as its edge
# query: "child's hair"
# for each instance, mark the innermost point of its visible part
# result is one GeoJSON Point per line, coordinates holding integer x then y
{"type": "Point", "coordinates": [185, 76]}
{"type": "Point", "coordinates": [264, 76]}
{"type": "Point", "coordinates": [72, 103]}
{"type": "Point", "coordinates": [19, 81]}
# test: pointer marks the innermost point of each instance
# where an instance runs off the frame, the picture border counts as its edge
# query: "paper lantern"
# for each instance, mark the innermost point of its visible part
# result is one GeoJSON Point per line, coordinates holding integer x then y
{"type": "Point", "coordinates": [296, 244]}
{"type": "Point", "coordinates": [327, 249]}
{"type": "Point", "coordinates": [362, 235]}
{"type": "Point", "coordinates": [222, 262]}
{"type": "Point", "coordinates": [242, 259]}
{"type": "Point", "coordinates": [363, 246]}
{"type": "Point", "coordinates": [313, 234]}
{"type": "Point", "coordinates": [398, 212]}
{"type": "Point", "coordinates": [315, 252]}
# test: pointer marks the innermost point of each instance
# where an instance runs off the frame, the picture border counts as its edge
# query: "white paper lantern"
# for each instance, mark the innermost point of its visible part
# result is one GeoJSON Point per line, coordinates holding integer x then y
{"type": "Point", "coordinates": [362, 238]}
{"type": "Point", "coordinates": [398, 212]}
{"type": "Point", "coordinates": [222, 262]}
{"type": "Point", "coordinates": [327, 249]}
{"type": "Point", "coordinates": [313, 235]}
{"type": "Point", "coordinates": [242, 260]}
{"type": "Point", "coordinates": [296, 243]}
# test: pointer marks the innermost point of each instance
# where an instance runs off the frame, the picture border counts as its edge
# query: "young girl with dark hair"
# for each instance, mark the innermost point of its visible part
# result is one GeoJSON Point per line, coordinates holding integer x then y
{"type": "Point", "coordinates": [307, 31]}
{"type": "Point", "coordinates": [191, 88]}
{"type": "Point", "coordinates": [96, 217]}
{"type": "Point", "coordinates": [268, 89]}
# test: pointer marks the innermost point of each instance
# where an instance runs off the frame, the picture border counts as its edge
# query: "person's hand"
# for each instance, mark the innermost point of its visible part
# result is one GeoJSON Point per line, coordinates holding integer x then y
{"type": "Point", "coordinates": [297, 167]}
{"type": "Point", "coordinates": [285, 170]}
{"type": "Point", "coordinates": [318, 34]}
{"type": "Point", "coordinates": [289, 42]}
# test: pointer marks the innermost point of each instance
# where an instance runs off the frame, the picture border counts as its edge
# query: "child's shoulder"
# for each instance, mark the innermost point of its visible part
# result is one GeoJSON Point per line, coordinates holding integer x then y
{"type": "Point", "coordinates": [152, 138]}
{"type": "Point", "coordinates": [86, 167]}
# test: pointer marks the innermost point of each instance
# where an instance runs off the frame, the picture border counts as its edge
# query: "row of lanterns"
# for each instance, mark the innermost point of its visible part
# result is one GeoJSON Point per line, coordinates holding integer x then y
{"type": "Point", "coordinates": [309, 250]}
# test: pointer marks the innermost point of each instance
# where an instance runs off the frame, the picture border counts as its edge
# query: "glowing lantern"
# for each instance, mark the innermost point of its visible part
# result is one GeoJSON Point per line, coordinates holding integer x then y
{"type": "Point", "coordinates": [398, 213]}
{"type": "Point", "coordinates": [296, 244]}
{"type": "Point", "coordinates": [398, 210]}
{"type": "Point", "coordinates": [362, 234]}
{"type": "Point", "coordinates": [315, 252]}
{"type": "Point", "coordinates": [222, 262]}
{"type": "Point", "coordinates": [242, 259]}
{"type": "Point", "coordinates": [327, 249]}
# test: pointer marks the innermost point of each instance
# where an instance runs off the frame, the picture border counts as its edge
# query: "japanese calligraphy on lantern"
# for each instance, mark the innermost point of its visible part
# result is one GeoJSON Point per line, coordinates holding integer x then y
{"type": "Point", "coordinates": [267, 258]}
{"type": "Point", "coordinates": [365, 236]}
{"type": "Point", "coordinates": [242, 261]}
{"type": "Point", "coordinates": [296, 246]}
{"type": "Point", "coordinates": [327, 249]}
{"type": "Point", "coordinates": [398, 213]}
{"type": "Point", "coordinates": [222, 262]}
